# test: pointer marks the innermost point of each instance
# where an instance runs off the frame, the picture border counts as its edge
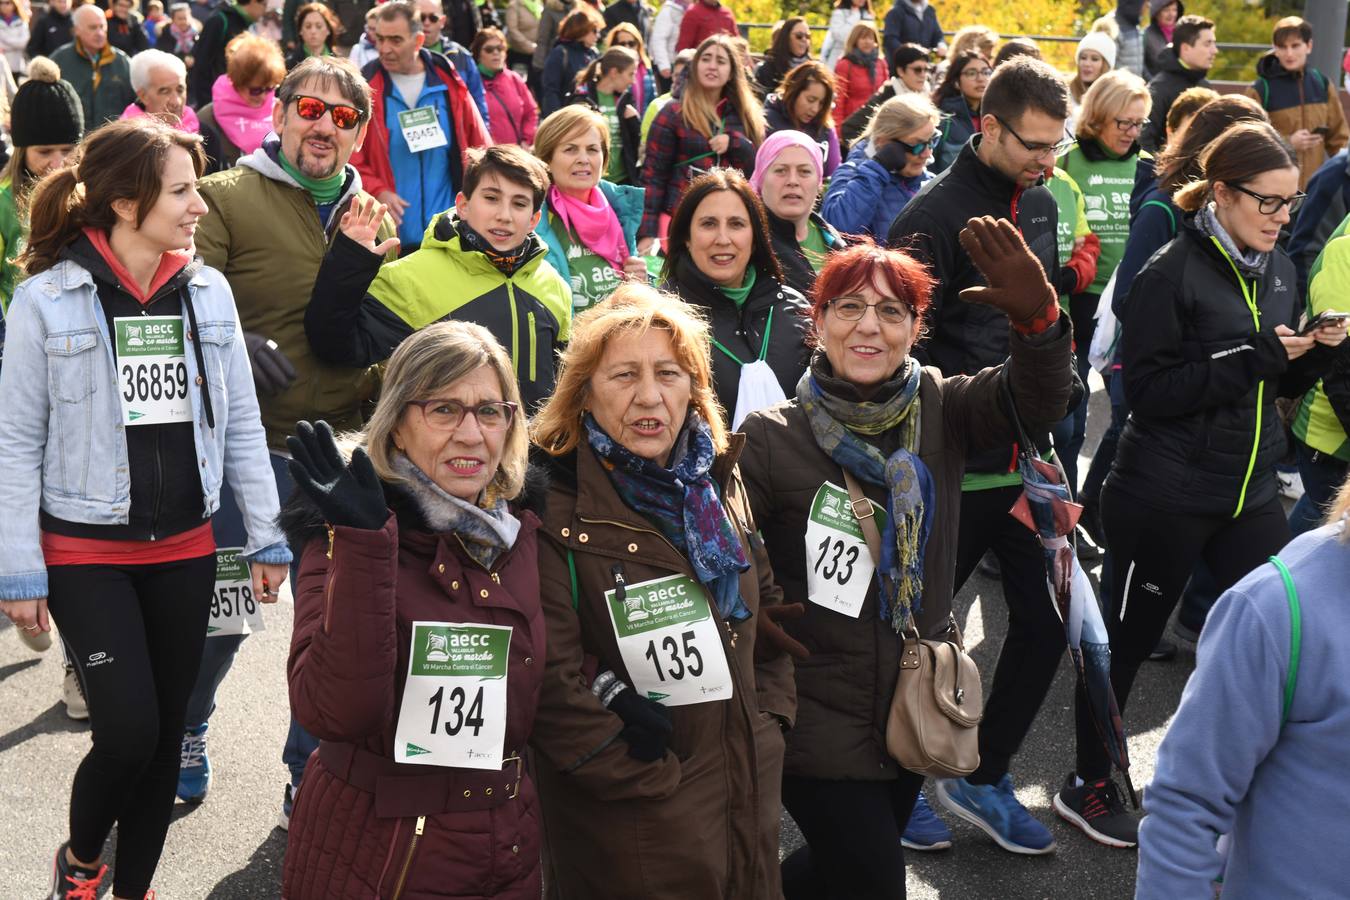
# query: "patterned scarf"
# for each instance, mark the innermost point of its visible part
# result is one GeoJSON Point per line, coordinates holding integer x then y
{"type": "Point", "coordinates": [910, 493]}
{"type": "Point", "coordinates": [1252, 263]}
{"type": "Point", "coordinates": [105, 57]}
{"type": "Point", "coordinates": [485, 533]}
{"type": "Point", "coordinates": [508, 262]}
{"type": "Point", "coordinates": [682, 503]}
{"type": "Point", "coordinates": [183, 40]}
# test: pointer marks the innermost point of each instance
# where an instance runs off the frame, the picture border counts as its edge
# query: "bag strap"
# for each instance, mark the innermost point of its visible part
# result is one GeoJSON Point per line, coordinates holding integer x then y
{"type": "Point", "coordinates": [863, 512]}
{"type": "Point", "coordinates": [572, 575]}
{"type": "Point", "coordinates": [1295, 636]}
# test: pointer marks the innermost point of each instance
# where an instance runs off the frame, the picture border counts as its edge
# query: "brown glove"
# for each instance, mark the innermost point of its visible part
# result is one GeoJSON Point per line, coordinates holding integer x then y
{"type": "Point", "coordinates": [770, 638]}
{"type": "Point", "coordinates": [1016, 281]}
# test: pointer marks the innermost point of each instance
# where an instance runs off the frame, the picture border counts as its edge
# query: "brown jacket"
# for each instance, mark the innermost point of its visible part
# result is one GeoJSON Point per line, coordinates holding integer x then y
{"type": "Point", "coordinates": [703, 821]}
{"type": "Point", "coordinates": [845, 687]}
{"type": "Point", "coordinates": [1301, 100]}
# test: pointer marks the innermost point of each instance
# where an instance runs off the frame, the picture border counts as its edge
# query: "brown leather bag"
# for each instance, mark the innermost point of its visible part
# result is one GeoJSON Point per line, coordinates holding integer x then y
{"type": "Point", "coordinates": [938, 703]}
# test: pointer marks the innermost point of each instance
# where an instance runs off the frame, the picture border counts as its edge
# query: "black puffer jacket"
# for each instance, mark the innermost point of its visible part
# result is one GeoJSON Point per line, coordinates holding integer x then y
{"type": "Point", "coordinates": [741, 330]}
{"type": "Point", "coordinates": [797, 271]}
{"type": "Point", "coordinates": [964, 338]}
{"type": "Point", "coordinates": [1193, 361]}
{"type": "Point", "coordinates": [1171, 79]}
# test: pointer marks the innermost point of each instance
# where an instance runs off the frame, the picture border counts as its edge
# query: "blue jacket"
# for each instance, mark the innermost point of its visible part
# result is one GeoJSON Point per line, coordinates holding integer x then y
{"type": "Point", "coordinates": [864, 198]}
{"type": "Point", "coordinates": [473, 79]}
{"type": "Point", "coordinates": [956, 129]}
{"type": "Point", "coordinates": [63, 446]}
{"type": "Point", "coordinates": [1327, 204]}
{"type": "Point", "coordinates": [1230, 763]}
{"type": "Point", "coordinates": [565, 61]}
{"type": "Point", "coordinates": [626, 200]}
{"type": "Point", "coordinates": [904, 26]}
{"type": "Point", "coordinates": [423, 179]}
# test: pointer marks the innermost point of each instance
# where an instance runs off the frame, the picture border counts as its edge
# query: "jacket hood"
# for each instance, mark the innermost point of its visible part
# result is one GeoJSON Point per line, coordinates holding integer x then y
{"type": "Point", "coordinates": [264, 162]}
{"type": "Point", "coordinates": [1268, 66]}
{"type": "Point", "coordinates": [441, 233]}
{"type": "Point", "coordinates": [1169, 62]}
{"type": "Point", "coordinates": [1156, 6]}
{"type": "Point", "coordinates": [955, 105]}
{"type": "Point", "coordinates": [302, 521]}
{"type": "Point", "coordinates": [82, 253]}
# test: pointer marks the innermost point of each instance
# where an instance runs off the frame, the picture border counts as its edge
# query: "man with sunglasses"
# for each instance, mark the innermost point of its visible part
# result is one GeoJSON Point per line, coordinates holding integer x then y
{"type": "Point", "coordinates": [1000, 172]}
{"type": "Point", "coordinates": [271, 219]}
{"type": "Point", "coordinates": [423, 119]}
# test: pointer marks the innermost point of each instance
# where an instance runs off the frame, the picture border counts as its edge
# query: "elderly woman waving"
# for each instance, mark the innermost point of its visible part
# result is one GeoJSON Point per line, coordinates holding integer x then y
{"type": "Point", "coordinates": [419, 639]}
{"type": "Point", "coordinates": [658, 737]}
{"type": "Point", "coordinates": [866, 412]}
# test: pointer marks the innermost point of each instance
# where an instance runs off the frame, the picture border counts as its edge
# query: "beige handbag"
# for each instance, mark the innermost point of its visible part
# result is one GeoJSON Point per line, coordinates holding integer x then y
{"type": "Point", "coordinates": [938, 703]}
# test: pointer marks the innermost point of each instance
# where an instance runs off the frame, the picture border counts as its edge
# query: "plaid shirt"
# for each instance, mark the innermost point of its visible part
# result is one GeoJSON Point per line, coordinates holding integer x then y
{"type": "Point", "coordinates": [676, 153]}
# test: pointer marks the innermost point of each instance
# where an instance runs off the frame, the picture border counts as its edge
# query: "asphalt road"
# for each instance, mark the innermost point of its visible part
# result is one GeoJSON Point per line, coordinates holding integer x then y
{"type": "Point", "coordinates": [229, 848]}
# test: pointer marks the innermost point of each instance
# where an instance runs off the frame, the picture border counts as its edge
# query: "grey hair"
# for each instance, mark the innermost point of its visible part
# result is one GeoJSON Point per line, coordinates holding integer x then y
{"type": "Point", "coordinates": [328, 72]}
{"type": "Point", "coordinates": [180, 7]}
{"type": "Point", "coordinates": [428, 361]}
{"type": "Point", "coordinates": [145, 62]}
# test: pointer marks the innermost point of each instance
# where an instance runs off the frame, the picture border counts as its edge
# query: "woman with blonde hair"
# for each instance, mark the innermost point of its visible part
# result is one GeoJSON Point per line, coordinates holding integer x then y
{"type": "Point", "coordinates": [860, 71]}
{"type": "Point", "coordinates": [845, 18]}
{"type": "Point", "coordinates": [627, 36]}
{"type": "Point", "coordinates": [716, 123]}
{"type": "Point", "coordinates": [885, 169]}
{"type": "Point", "coordinates": [422, 745]}
{"type": "Point", "coordinates": [660, 721]}
{"type": "Point", "coordinates": [1095, 57]}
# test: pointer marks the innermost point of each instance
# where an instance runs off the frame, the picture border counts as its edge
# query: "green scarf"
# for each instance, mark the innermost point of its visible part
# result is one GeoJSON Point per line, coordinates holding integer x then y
{"type": "Point", "coordinates": [487, 73]}
{"type": "Point", "coordinates": [323, 190]}
{"type": "Point", "coordinates": [326, 52]}
{"type": "Point", "coordinates": [738, 295]}
{"type": "Point", "coordinates": [240, 9]}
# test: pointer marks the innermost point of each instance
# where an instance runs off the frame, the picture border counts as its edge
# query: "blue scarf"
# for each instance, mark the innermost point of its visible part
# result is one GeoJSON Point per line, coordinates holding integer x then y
{"type": "Point", "coordinates": [682, 503]}
{"type": "Point", "coordinates": [836, 423]}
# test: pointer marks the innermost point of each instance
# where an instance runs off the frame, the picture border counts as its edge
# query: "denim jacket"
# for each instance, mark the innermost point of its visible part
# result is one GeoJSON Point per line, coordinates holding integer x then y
{"type": "Point", "coordinates": [62, 444]}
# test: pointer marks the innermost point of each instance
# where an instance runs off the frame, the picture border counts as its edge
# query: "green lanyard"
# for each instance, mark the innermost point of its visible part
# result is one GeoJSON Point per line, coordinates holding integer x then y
{"type": "Point", "coordinates": [1249, 295]}
{"type": "Point", "coordinates": [763, 345]}
{"type": "Point", "coordinates": [721, 127]}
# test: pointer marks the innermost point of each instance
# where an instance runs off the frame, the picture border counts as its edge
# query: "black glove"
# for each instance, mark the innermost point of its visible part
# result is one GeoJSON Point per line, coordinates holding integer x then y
{"type": "Point", "coordinates": [647, 726]}
{"type": "Point", "coordinates": [892, 157]}
{"type": "Point", "coordinates": [272, 371]}
{"type": "Point", "coordinates": [348, 495]}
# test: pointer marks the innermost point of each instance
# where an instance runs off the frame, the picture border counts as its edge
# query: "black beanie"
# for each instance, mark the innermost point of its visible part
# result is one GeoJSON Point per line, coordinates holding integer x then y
{"type": "Point", "coordinates": [45, 110]}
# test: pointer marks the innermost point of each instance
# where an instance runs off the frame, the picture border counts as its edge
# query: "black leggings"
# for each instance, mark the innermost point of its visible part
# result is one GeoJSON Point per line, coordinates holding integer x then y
{"type": "Point", "coordinates": [852, 831]}
{"type": "Point", "coordinates": [1153, 555]}
{"type": "Point", "coordinates": [135, 634]}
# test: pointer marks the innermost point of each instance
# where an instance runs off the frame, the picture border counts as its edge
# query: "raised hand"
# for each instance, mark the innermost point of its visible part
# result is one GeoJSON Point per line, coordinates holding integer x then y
{"type": "Point", "coordinates": [361, 222]}
{"type": "Point", "coordinates": [348, 495]}
{"type": "Point", "coordinates": [1016, 281]}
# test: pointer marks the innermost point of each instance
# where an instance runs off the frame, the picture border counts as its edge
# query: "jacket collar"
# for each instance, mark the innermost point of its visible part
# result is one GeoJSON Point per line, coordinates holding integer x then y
{"type": "Point", "coordinates": [694, 286]}
{"type": "Point", "coordinates": [80, 262]}
{"type": "Point", "coordinates": [969, 168]}
{"type": "Point", "coordinates": [786, 229]}
{"type": "Point", "coordinates": [264, 162]}
{"type": "Point", "coordinates": [1093, 151]}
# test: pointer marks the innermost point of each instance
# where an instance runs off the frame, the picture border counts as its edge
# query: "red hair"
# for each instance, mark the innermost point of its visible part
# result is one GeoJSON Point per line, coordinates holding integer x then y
{"type": "Point", "coordinates": [892, 273]}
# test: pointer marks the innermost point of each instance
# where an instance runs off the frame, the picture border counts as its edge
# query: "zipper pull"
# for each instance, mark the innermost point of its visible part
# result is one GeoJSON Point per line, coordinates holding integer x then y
{"type": "Point", "coordinates": [421, 824]}
{"type": "Point", "coordinates": [332, 534]}
{"type": "Point", "coordinates": [620, 590]}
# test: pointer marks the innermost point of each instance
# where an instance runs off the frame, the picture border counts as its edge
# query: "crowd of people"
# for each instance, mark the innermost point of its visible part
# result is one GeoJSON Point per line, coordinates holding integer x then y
{"type": "Point", "coordinates": [617, 402]}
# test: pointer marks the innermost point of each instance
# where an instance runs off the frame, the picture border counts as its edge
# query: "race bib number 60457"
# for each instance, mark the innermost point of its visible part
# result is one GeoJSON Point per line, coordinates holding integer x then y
{"type": "Point", "coordinates": [669, 641]}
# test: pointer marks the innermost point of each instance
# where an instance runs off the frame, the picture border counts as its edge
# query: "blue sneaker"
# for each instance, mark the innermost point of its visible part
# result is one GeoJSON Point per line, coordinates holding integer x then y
{"type": "Point", "coordinates": [994, 810]}
{"type": "Point", "coordinates": [925, 830]}
{"type": "Point", "coordinates": [194, 769]}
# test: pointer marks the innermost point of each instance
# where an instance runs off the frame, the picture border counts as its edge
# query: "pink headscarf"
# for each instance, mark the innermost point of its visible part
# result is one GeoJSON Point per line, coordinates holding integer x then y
{"type": "Point", "coordinates": [775, 144]}
{"type": "Point", "coordinates": [245, 126]}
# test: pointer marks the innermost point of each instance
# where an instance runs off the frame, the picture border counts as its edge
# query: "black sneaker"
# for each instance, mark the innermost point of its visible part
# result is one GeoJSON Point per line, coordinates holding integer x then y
{"type": "Point", "coordinates": [1091, 521]}
{"type": "Point", "coordinates": [74, 882]}
{"type": "Point", "coordinates": [1163, 651]}
{"type": "Point", "coordinates": [1096, 808]}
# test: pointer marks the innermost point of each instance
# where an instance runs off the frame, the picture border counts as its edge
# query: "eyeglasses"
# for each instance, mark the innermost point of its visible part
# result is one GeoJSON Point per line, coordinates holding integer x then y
{"type": "Point", "coordinates": [977, 73]}
{"type": "Point", "coordinates": [312, 108]}
{"type": "Point", "coordinates": [1039, 149]}
{"type": "Point", "coordinates": [631, 45]}
{"type": "Point", "coordinates": [1128, 125]}
{"type": "Point", "coordinates": [430, 17]}
{"type": "Point", "coordinates": [852, 309]}
{"type": "Point", "coordinates": [919, 148]}
{"type": "Point", "coordinates": [493, 48]}
{"type": "Point", "coordinates": [1269, 206]}
{"type": "Point", "coordinates": [448, 415]}
{"type": "Point", "coordinates": [259, 91]}
{"type": "Point", "coordinates": [919, 68]}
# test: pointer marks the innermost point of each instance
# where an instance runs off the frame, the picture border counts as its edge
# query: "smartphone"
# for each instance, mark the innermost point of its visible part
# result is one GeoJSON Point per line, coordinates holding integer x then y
{"type": "Point", "coordinates": [1321, 131]}
{"type": "Point", "coordinates": [1329, 317]}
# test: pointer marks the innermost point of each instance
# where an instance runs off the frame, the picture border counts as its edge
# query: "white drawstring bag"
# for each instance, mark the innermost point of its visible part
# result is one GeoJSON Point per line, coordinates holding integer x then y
{"type": "Point", "coordinates": [759, 389]}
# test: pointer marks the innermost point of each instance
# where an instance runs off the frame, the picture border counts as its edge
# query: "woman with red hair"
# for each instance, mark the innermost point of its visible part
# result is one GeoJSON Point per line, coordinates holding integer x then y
{"type": "Point", "coordinates": [867, 413]}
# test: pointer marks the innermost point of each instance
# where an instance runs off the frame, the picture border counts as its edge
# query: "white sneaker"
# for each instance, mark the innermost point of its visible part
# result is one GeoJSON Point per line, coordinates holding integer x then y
{"type": "Point", "coordinates": [1291, 484]}
{"type": "Point", "coordinates": [37, 641]}
{"type": "Point", "coordinates": [76, 707]}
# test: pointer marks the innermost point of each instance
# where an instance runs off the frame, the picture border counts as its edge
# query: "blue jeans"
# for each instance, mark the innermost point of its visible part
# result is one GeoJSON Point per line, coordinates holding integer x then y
{"type": "Point", "coordinates": [1322, 475]}
{"type": "Point", "coordinates": [228, 525]}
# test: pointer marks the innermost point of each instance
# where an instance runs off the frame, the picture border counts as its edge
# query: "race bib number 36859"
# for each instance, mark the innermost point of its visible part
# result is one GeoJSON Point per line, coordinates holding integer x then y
{"type": "Point", "coordinates": [669, 641]}
{"type": "Point", "coordinates": [838, 565]}
{"type": "Point", "coordinates": [152, 378]}
{"type": "Point", "coordinates": [454, 702]}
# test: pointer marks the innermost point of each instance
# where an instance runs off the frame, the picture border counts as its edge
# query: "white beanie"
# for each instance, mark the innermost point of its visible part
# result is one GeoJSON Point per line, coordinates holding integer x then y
{"type": "Point", "coordinates": [1098, 42]}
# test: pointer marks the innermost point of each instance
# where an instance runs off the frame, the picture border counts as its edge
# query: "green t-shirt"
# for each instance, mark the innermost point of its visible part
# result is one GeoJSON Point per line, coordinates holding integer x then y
{"type": "Point", "coordinates": [610, 111]}
{"type": "Point", "coordinates": [814, 247]}
{"type": "Point", "coordinates": [591, 276]}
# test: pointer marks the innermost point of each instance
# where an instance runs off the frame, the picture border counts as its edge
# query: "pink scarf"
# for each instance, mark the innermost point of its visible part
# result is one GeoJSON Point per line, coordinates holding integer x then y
{"type": "Point", "coordinates": [187, 123]}
{"type": "Point", "coordinates": [594, 222]}
{"type": "Point", "coordinates": [244, 126]}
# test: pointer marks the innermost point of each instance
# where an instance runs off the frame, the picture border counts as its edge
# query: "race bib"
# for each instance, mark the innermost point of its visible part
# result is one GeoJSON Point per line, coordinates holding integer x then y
{"type": "Point", "coordinates": [454, 702]}
{"type": "Point", "coordinates": [592, 278]}
{"type": "Point", "coordinates": [234, 609]}
{"type": "Point", "coordinates": [838, 565]}
{"type": "Point", "coordinates": [422, 129]}
{"type": "Point", "coordinates": [669, 642]}
{"type": "Point", "coordinates": [152, 376]}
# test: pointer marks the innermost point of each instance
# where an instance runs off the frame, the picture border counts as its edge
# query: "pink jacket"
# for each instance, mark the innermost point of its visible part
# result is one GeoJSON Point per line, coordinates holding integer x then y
{"type": "Point", "coordinates": [189, 123]}
{"type": "Point", "coordinates": [513, 114]}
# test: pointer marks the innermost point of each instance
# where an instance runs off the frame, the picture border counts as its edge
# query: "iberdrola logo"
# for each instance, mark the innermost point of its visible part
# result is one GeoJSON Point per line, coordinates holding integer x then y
{"type": "Point", "coordinates": [414, 750]}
